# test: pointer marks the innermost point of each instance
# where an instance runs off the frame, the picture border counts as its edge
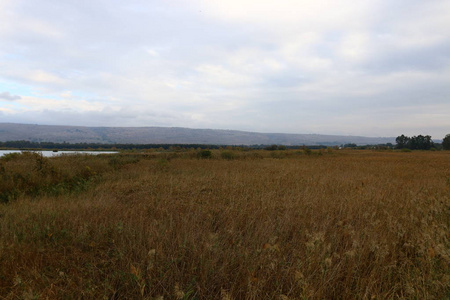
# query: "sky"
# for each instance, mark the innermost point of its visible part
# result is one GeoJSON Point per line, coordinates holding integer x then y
{"type": "Point", "coordinates": [370, 68]}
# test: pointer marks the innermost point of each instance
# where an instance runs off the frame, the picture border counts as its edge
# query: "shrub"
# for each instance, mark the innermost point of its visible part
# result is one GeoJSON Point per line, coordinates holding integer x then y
{"type": "Point", "coordinates": [29, 173]}
{"type": "Point", "coordinates": [228, 155]}
{"type": "Point", "coordinates": [10, 156]}
{"type": "Point", "coordinates": [307, 151]}
{"type": "Point", "coordinates": [203, 154]}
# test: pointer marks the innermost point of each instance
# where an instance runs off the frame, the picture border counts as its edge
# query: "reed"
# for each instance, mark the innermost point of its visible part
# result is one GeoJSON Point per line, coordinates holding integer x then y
{"type": "Point", "coordinates": [291, 225]}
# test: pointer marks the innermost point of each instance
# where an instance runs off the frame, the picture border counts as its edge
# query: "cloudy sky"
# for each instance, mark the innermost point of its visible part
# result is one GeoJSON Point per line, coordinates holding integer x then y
{"type": "Point", "coordinates": [366, 67]}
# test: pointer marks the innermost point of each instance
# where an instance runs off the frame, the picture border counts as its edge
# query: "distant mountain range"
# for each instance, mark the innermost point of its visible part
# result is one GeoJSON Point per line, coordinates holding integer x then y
{"type": "Point", "coordinates": [171, 135]}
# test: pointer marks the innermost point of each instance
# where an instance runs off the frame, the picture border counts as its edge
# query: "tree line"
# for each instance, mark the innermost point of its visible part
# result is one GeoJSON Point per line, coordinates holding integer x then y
{"type": "Point", "coordinates": [420, 142]}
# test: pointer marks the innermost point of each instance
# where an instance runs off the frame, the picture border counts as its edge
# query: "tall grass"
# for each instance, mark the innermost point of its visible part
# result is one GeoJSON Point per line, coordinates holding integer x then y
{"type": "Point", "coordinates": [340, 225]}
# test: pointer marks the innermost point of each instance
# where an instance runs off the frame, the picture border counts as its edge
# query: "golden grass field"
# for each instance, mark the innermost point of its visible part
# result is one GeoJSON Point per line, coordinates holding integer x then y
{"type": "Point", "coordinates": [341, 224]}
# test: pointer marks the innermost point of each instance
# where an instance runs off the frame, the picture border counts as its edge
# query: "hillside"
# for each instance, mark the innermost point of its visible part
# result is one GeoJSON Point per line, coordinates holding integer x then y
{"type": "Point", "coordinates": [170, 135]}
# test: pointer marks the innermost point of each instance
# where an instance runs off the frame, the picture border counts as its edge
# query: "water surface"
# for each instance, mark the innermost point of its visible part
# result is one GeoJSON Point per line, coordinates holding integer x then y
{"type": "Point", "coordinates": [48, 153]}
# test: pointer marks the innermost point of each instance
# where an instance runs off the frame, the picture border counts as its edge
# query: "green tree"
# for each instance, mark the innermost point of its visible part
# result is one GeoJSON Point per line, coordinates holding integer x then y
{"type": "Point", "coordinates": [402, 141]}
{"type": "Point", "coordinates": [421, 142]}
{"type": "Point", "coordinates": [271, 147]}
{"type": "Point", "coordinates": [446, 142]}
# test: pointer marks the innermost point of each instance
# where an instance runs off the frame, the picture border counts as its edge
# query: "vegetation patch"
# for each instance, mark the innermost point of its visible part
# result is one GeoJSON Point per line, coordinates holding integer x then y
{"type": "Point", "coordinates": [31, 174]}
{"type": "Point", "coordinates": [342, 225]}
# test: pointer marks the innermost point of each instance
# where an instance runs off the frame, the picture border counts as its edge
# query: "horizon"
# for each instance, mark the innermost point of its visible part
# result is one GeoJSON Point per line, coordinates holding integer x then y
{"type": "Point", "coordinates": [369, 69]}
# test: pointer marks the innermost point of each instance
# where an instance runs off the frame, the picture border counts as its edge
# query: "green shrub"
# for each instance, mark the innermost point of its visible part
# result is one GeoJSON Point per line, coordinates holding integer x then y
{"type": "Point", "coordinates": [204, 154]}
{"type": "Point", "coordinates": [10, 156]}
{"type": "Point", "coordinates": [228, 155]}
{"type": "Point", "coordinates": [307, 151]}
{"type": "Point", "coordinates": [30, 173]}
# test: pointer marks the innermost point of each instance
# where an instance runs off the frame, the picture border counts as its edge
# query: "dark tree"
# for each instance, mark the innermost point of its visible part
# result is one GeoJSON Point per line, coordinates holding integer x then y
{"type": "Point", "coordinates": [421, 142]}
{"type": "Point", "coordinates": [402, 141]}
{"type": "Point", "coordinates": [446, 142]}
{"type": "Point", "coordinates": [350, 145]}
{"type": "Point", "coordinates": [271, 147]}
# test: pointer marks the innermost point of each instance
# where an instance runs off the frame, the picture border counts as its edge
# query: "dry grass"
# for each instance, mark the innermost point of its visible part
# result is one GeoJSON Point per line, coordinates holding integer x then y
{"type": "Point", "coordinates": [342, 225]}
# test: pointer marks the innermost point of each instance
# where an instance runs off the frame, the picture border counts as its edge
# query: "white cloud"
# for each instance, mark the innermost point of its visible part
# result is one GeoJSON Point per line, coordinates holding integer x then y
{"type": "Point", "coordinates": [40, 76]}
{"type": "Point", "coordinates": [6, 110]}
{"type": "Point", "coordinates": [355, 47]}
{"type": "Point", "coordinates": [38, 103]}
{"type": "Point", "coordinates": [220, 77]}
{"type": "Point", "coordinates": [319, 14]}
{"type": "Point", "coordinates": [297, 66]}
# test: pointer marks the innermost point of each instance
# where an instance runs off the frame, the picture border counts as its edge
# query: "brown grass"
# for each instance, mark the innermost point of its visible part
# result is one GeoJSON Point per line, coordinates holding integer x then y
{"type": "Point", "coordinates": [341, 225]}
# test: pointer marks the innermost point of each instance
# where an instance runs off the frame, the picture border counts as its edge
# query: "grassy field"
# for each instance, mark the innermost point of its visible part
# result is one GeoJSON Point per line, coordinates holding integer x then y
{"type": "Point", "coordinates": [240, 225]}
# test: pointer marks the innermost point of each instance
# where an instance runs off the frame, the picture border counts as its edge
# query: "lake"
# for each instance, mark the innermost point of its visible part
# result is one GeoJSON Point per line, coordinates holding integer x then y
{"type": "Point", "coordinates": [49, 153]}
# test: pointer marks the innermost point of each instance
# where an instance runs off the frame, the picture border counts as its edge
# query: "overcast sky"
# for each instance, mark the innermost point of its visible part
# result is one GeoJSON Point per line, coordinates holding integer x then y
{"type": "Point", "coordinates": [366, 67]}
